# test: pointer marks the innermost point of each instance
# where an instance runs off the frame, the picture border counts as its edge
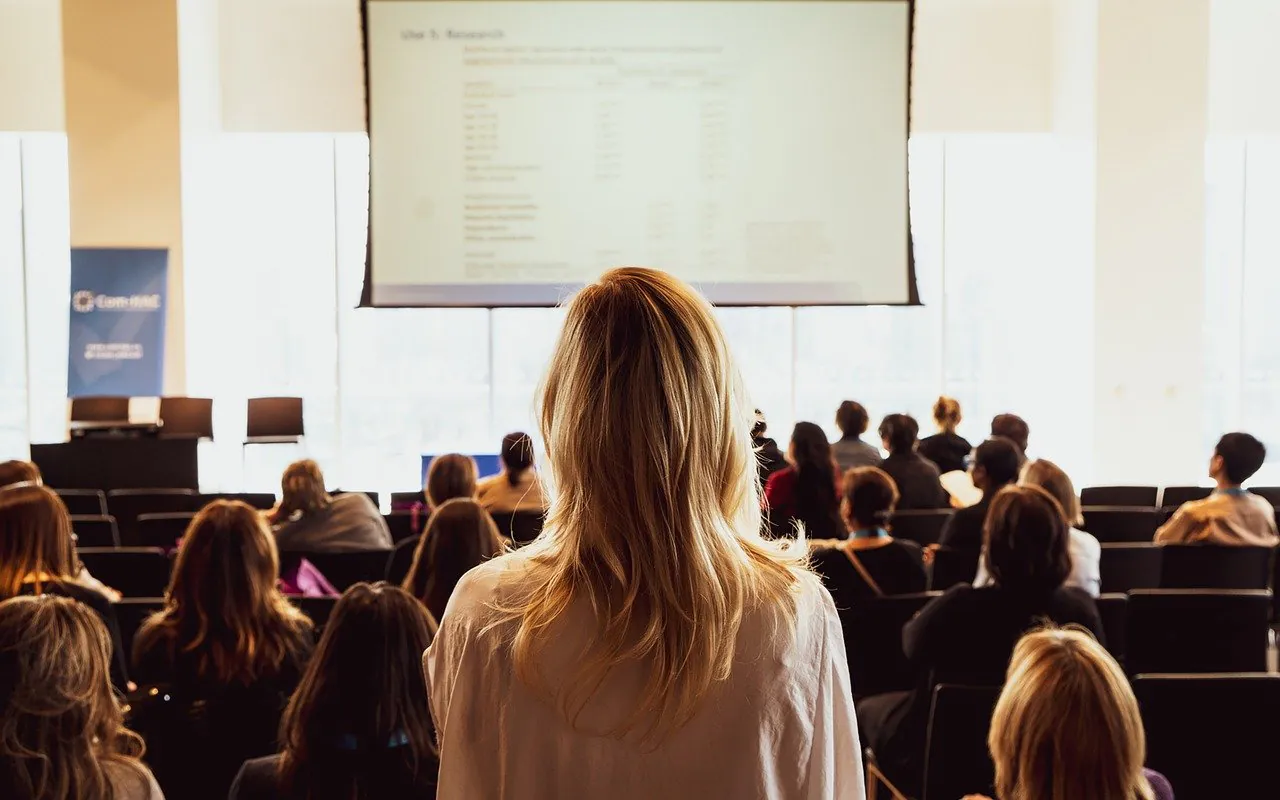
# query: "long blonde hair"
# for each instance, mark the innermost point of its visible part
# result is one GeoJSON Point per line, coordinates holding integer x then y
{"type": "Point", "coordinates": [655, 513]}
{"type": "Point", "coordinates": [1067, 724]}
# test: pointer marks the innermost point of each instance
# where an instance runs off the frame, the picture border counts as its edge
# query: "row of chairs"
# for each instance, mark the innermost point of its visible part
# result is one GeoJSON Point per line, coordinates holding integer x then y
{"type": "Point", "coordinates": [1106, 523]}
{"type": "Point", "coordinates": [1152, 496]}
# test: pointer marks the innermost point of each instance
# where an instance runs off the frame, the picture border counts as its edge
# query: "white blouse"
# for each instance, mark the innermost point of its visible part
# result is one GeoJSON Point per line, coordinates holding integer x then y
{"type": "Point", "coordinates": [781, 727]}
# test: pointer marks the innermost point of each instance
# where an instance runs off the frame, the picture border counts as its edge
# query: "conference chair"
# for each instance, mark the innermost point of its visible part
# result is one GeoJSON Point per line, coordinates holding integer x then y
{"type": "Point", "coordinates": [95, 531]}
{"type": "Point", "coordinates": [83, 502]}
{"type": "Point", "coordinates": [924, 526]}
{"type": "Point", "coordinates": [374, 496]}
{"type": "Point", "coordinates": [162, 530]}
{"type": "Point", "coordinates": [1174, 496]}
{"type": "Point", "coordinates": [1197, 631]}
{"type": "Point", "coordinates": [100, 409]}
{"type": "Point", "coordinates": [343, 570]}
{"type": "Point", "coordinates": [873, 642]}
{"type": "Point", "coordinates": [1114, 611]}
{"type": "Point", "coordinates": [401, 560]}
{"type": "Point", "coordinates": [952, 566]}
{"type": "Point", "coordinates": [1203, 566]}
{"type": "Point", "coordinates": [132, 571]}
{"type": "Point", "coordinates": [127, 504]}
{"type": "Point", "coordinates": [405, 524]}
{"type": "Point", "coordinates": [273, 420]}
{"type": "Point", "coordinates": [1117, 524]}
{"type": "Point", "coordinates": [1213, 736]}
{"type": "Point", "coordinates": [317, 609]}
{"type": "Point", "coordinates": [1125, 566]}
{"type": "Point", "coordinates": [1119, 496]}
{"type": "Point", "coordinates": [956, 761]}
{"type": "Point", "coordinates": [263, 501]}
{"type": "Point", "coordinates": [403, 501]}
{"type": "Point", "coordinates": [521, 527]}
{"type": "Point", "coordinates": [186, 418]}
{"type": "Point", "coordinates": [131, 612]}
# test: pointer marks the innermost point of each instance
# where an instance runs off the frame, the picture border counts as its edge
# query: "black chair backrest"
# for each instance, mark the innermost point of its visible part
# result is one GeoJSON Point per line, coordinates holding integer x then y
{"type": "Point", "coordinates": [1269, 493]}
{"type": "Point", "coordinates": [1116, 524]}
{"type": "Point", "coordinates": [162, 530]}
{"type": "Point", "coordinates": [1197, 631]}
{"type": "Point", "coordinates": [521, 527]}
{"type": "Point", "coordinates": [401, 560]}
{"type": "Point", "coordinates": [405, 524]}
{"type": "Point", "coordinates": [132, 571]}
{"type": "Point", "coordinates": [131, 612]}
{"type": "Point", "coordinates": [1202, 566]}
{"type": "Point", "coordinates": [263, 501]}
{"type": "Point", "coordinates": [1174, 496]}
{"type": "Point", "coordinates": [274, 416]}
{"type": "Point", "coordinates": [873, 642]}
{"type": "Point", "coordinates": [374, 496]}
{"type": "Point", "coordinates": [403, 501]}
{"type": "Point", "coordinates": [83, 502]}
{"type": "Point", "coordinates": [1119, 496]}
{"type": "Point", "coordinates": [186, 417]}
{"type": "Point", "coordinates": [343, 570]}
{"type": "Point", "coordinates": [1114, 611]}
{"type": "Point", "coordinates": [126, 505]}
{"type": "Point", "coordinates": [95, 531]}
{"type": "Point", "coordinates": [922, 526]}
{"type": "Point", "coordinates": [952, 566]}
{"type": "Point", "coordinates": [100, 409]}
{"type": "Point", "coordinates": [317, 609]}
{"type": "Point", "coordinates": [1126, 566]}
{"type": "Point", "coordinates": [956, 759]}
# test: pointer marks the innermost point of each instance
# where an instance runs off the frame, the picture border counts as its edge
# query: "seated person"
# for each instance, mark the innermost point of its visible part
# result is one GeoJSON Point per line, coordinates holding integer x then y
{"type": "Point", "coordinates": [308, 519]}
{"type": "Point", "coordinates": [995, 465]}
{"type": "Point", "coordinates": [806, 492]}
{"type": "Point", "coordinates": [967, 635]}
{"type": "Point", "coordinates": [359, 725]}
{"type": "Point", "coordinates": [516, 487]}
{"type": "Point", "coordinates": [915, 476]}
{"type": "Point", "coordinates": [870, 563]}
{"type": "Point", "coordinates": [946, 448]}
{"type": "Point", "coordinates": [769, 456]}
{"type": "Point", "coordinates": [851, 451]}
{"type": "Point", "coordinates": [459, 535]}
{"type": "Point", "coordinates": [1230, 515]}
{"type": "Point", "coordinates": [14, 472]}
{"type": "Point", "coordinates": [450, 475]}
{"type": "Point", "coordinates": [1014, 428]}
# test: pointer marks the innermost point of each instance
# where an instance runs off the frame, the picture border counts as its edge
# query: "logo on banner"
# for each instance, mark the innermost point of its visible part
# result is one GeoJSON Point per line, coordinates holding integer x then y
{"type": "Point", "coordinates": [85, 301]}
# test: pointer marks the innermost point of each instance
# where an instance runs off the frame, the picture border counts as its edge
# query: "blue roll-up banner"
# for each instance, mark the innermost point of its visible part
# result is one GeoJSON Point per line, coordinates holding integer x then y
{"type": "Point", "coordinates": [118, 298]}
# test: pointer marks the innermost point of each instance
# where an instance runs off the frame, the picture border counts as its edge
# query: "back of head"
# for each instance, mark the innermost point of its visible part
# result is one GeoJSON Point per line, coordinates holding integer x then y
{"type": "Point", "coordinates": [1050, 477]}
{"type": "Point", "coordinates": [1013, 428]}
{"type": "Point", "coordinates": [946, 412]}
{"type": "Point", "coordinates": [1242, 455]}
{"type": "Point", "coordinates": [1000, 460]}
{"type": "Point", "coordinates": [899, 432]}
{"type": "Point", "coordinates": [759, 426]}
{"type": "Point", "coordinates": [458, 536]}
{"type": "Point", "coordinates": [59, 720]}
{"type": "Point", "coordinates": [852, 418]}
{"type": "Point", "coordinates": [13, 472]}
{"type": "Point", "coordinates": [223, 608]}
{"type": "Point", "coordinates": [1026, 541]}
{"type": "Point", "coordinates": [654, 515]}
{"type": "Point", "coordinates": [869, 497]}
{"type": "Point", "coordinates": [1067, 725]}
{"type": "Point", "coordinates": [362, 696]}
{"type": "Point", "coordinates": [517, 455]}
{"type": "Point", "coordinates": [449, 476]}
{"type": "Point", "coordinates": [35, 537]}
{"type": "Point", "coordinates": [302, 490]}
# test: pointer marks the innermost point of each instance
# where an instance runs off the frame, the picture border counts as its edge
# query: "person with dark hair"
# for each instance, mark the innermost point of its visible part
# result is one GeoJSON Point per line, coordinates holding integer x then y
{"type": "Point", "coordinates": [516, 487]}
{"type": "Point", "coordinates": [916, 477]}
{"type": "Point", "coordinates": [967, 635]}
{"type": "Point", "coordinates": [1230, 515]}
{"type": "Point", "coordinates": [851, 451]}
{"type": "Point", "coordinates": [1014, 428]}
{"type": "Point", "coordinates": [14, 472]}
{"type": "Point", "coordinates": [946, 448]}
{"type": "Point", "coordinates": [459, 535]}
{"type": "Point", "coordinates": [806, 492]}
{"type": "Point", "coordinates": [308, 518]}
{"type": "Point", "coordinates": [359, 725]}
{"type": "Point", "coordinates": [996, 463]}
{"type": "Point", "coordinates": [870, 563]}
{"type": "Point", "coordinates": [769, 457]}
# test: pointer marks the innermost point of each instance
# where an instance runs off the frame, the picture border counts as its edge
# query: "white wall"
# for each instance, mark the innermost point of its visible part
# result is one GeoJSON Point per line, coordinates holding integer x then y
{"type": "Point", "coordinates": [31, 66]}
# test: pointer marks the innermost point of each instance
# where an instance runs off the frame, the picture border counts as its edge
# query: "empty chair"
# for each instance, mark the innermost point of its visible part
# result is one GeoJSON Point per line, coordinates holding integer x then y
{"type": "Point", "coordinates": [401, 560]}
{"type": "Point", "coordinates": [186, 417]}
{"type": "Point", "coordinates": [1212, 736]}
{"type": "Point", "coordinates": [1270, 493]}
{"type": "Point", "coordinates": [521, 527]}
{"type": "Point", "coordinates": [404, 524]}
{"type": "Point", "coordinates": [263, 501]}
{"type": "Point", "coordinates": [1197, 630]}
{"type": "Point", "coordinates": [873, 643]}
{"type": "Point", "coordinates": [273, 420]}
{"type": "Point", "coordinates": [1114, 611]}
{"type": "Point", "coordinates": [83, 502]}
{"type": "Point", "coordinates": [1174, 496]}
{"type": "Point", "coordinates": [1119, 496]}
{"type": "Point", "coordinates": [100, 409]}
{"type": "Point", "coordinates": [1205, 566]}
{"type": "Point", "coordinates": [1113, 524]}
{"type": "Point", "coordinates": [1126, 566]}
{"type": "Point", "coordinates": [403, 501]}
{"type": "Point", "coordinates": [127, 504]}
{"type": "Point", "coordinates": [95, 531]}
{"type": "Point", "coordinates": [162, 530]}
{"type": "Point", "coordinates": [131, 612]}
{"type": "Point", "coordinates": [923, 526]}
{"type": "Point", "coordinates": [342, 569]}
{"type": "Point", "coordinates": [957, 762]}
{"type": "Point", "coordinates": [950, 567]}
{"type": "Point", "coordinates": [374, 496]}
{"type": "Point", "coordinates": [317, 609]}
{"type": "Point", "coordinates": [132, 571]}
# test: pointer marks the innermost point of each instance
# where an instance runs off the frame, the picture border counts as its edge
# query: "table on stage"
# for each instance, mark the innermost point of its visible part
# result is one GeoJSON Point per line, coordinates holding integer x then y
{"type": "Point", "coordinates": [119, 463]}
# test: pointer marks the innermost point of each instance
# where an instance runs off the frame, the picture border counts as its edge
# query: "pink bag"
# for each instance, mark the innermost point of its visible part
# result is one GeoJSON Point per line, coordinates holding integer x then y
{"type": "Point", "coordinates": [308, 581]}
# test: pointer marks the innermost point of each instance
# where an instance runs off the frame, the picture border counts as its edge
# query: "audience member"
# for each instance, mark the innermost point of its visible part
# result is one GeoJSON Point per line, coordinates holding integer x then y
{"type": "Point", "coordinates": [946, 448]}
{"type": "Point", "coordinates": [967, 635]}
{"type": "Point", "coordinates": [37, 556]}
{"type": "Point", "coordinates": [14, 472]}
{"type": "Point", "coordinates": [516, 487]}
{"type": "Point", "coordinates": [1012, 427]}
{"type": "Point", "coordinates": [650, 633]}
{"type": "Point", "coordinates": [769, 457]}
{"type": "Point", "coordinates": [308, 519]}
{"type": "Point", "coordinates": [227, 647]}
{"type": "Point", "coordinates": [359, 725]}
{"type": "Point", "coordinates": [806, 491]}
{"type": "Point", "coordinates": [1086, 553]}
{"type": "Point", "coordinates": [1230, 515]}
{"type": "Point", "coordinates": [915, 476]}
{"type": "Point", "coordinates": [851, 451]}
{"type": "Point", "coordinates": [459, 535]}
{"type": "Point", "coordinates": [870, 563]}
{"type": "Point", "coordinates": [62, 735]}
{"type": "Point", "coordinates": [995, 465]}
{"type": "Point", "coordinates": [449, 476]}
{"type": "Point", "coordinates": [1067, 725]}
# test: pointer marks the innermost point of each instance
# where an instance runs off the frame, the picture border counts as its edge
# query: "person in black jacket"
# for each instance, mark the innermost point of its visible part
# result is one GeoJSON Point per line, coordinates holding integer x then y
{"type": "Point", "coordinates": [946, 448]}
{"type": "Point", "coordinates": [915, 476]}
{"type": "Point", "coordinates": [769, 457]}
{"type": "Point", "coordinates": [996, 464]}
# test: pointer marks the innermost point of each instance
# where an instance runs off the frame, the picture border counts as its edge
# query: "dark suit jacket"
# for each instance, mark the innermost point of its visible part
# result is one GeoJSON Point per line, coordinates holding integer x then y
{"type": "Point", "coordinates": [917, 480]}
{"type": "Point", "coordinates": [964, 530]}
{"type": "Point", "coordinates": [768, 457]}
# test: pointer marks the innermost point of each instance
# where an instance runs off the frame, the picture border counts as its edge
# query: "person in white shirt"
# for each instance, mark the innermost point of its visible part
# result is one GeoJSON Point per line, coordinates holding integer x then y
{"type": "Point", "coordinates": [650, 643]}
{"type": "Point", "coordinates": [516, 487]}
{"type": "Point", "coordinates": [1230, 515]}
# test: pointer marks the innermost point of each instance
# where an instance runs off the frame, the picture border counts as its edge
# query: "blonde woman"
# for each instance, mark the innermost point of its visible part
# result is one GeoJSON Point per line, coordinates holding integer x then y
{"type": "Point", "coordinates": [946, 448]}
{"type": "Point", "coordinates": [650, 643]}
{"type": "Point", "coordinates": [1067, 725]}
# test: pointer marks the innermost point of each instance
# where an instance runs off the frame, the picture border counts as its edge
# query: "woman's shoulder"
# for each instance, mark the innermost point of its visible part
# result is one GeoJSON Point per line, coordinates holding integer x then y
{"type": "Point", "coordinates": [131, 780]}
{"type": "Point", "coordinates": [257, 779]}
{"type": "Point", "coordinates": [483, 588]}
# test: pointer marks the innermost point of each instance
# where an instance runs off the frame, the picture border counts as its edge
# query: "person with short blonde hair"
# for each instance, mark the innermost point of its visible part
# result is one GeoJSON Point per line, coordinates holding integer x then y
{"type": "Point", "coordinates": [946, 448]}
{"type": "Point", "coordinates": [650, 643]}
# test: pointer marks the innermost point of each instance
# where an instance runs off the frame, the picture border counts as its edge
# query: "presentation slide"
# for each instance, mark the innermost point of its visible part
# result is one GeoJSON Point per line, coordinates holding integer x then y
{"type": "Point", "coordinates": [757, 149]}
